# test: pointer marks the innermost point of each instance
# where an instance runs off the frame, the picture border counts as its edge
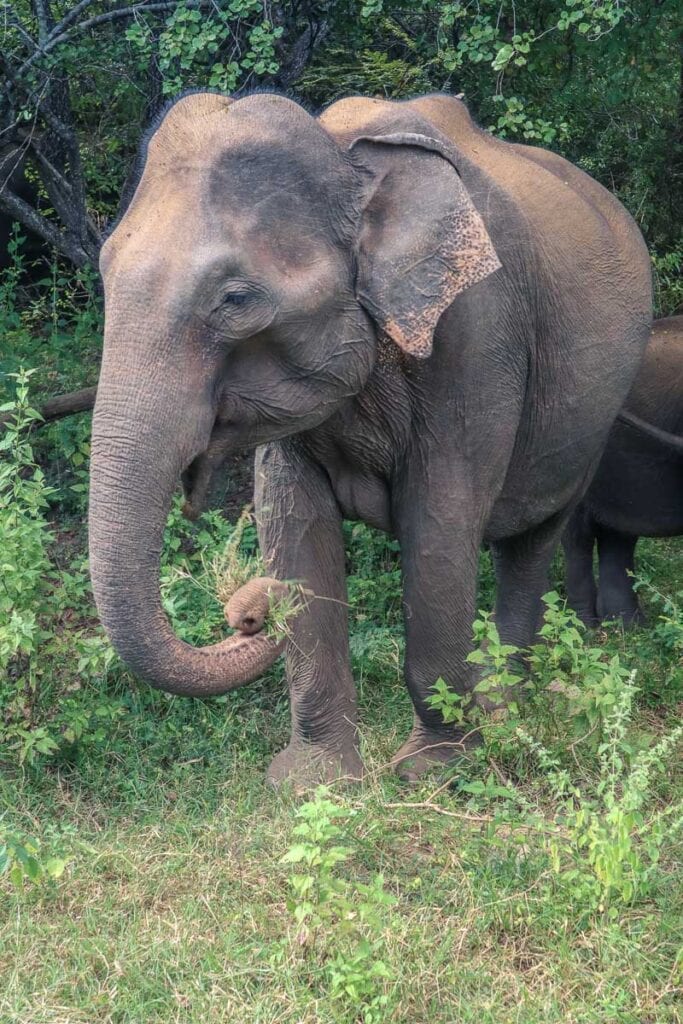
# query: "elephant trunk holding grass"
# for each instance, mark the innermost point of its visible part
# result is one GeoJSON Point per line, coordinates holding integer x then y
{"type": "Point", "coordinates": [637, 490]}
{"type": "Point", "coordinates": [419, 325]}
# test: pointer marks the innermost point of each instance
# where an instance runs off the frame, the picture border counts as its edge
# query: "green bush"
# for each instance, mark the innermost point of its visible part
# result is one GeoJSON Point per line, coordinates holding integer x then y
{"type": "Point", "coordinates": [575, 717]}
{"type": "Point", "coordinates": [43, 666]}
{"type": "Point", "coordinates": [338, 921]}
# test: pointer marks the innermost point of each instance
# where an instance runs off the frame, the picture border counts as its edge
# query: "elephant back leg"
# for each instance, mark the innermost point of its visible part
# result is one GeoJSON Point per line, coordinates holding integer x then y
{"type": "Point", "coordinates": [616, 597]}
{"type": "Point", "coordinates": [578, 542]}
{"type": "Point", "coordinates": [522, 565]}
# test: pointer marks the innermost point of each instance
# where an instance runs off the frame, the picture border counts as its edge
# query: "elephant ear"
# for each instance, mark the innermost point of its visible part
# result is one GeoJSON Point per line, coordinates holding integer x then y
{"type": "Point", "coordinates": [421, 239]}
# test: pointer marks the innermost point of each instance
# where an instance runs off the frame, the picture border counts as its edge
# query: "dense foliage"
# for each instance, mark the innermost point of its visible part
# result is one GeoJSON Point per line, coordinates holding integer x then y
{"type": "Point", "coordinates": [598, 80]}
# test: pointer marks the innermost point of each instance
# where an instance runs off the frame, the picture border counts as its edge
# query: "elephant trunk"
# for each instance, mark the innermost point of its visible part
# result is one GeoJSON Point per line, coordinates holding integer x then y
{"type": "Point", "coordinates": [135, 467]}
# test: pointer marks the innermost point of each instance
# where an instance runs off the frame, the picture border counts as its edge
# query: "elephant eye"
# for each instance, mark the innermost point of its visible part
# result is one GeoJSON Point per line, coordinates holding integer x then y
{"type": "Point", "coordinates": [242, 308]}
{"type": "Point", "coordinates": [235, 298]}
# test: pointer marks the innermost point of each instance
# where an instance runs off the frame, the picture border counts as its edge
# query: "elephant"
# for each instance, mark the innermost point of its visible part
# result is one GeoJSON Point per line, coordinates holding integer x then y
{"type": "Point", "coordinates": [415, 324]}
{"type": "Point", "coordinates": [637, 490]}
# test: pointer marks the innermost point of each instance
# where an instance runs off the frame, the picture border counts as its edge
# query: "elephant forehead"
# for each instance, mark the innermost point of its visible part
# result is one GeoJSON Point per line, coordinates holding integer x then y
{"type": "Point", "coordinates": [190, 124]}
{"type": "Point", "coordinates": [190, 219]}
{"type": "Point", "coordinates": [206, 129]}
{"type": "Point", "coordinates": [214, 152]}
{"type": "Point", "coordinates": [257, 175]}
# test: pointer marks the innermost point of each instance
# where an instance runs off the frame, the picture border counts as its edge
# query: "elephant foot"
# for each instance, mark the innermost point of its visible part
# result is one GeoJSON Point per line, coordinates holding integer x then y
{"type": "Point", "coordinates": [429, 748]}
{"type": "Point", "coordinates": [630, 615]}
{"type": "Point", "coordinates": [589, 617]}
{"type": "Point", "coordinates": [306, 765]}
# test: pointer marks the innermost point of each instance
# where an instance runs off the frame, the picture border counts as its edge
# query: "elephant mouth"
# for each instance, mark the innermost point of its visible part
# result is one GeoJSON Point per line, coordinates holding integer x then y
{"type": "Point", "coordinates": [201, 480]}
{"type": "Point", "coordinates": [197, 481]}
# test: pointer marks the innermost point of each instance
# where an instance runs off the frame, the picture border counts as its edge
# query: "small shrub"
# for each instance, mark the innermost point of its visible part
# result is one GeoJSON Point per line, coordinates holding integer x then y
{"type": "Point", "coordinates": [338, 923]}
{"type": "Point", "coordinates": [668, 281]}
{"type": "Point", "coordinates": [567, 689]}
{"type": "Point", "coordinates": [43, 667]}
{"type": "Point", "coordinates": [602, 846]}
{"type": "Point", "coordinates": [669, 625]}
{"type": "Point", "coordinates": [23, 858]}
{"type": "Point", "coordinates": [605, 848]}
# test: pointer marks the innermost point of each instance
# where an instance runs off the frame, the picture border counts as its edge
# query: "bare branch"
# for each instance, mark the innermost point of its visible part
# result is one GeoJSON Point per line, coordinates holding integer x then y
{"type": "Point", "coordinates": [51, 171]}
{"type": "Point", "coordinates": [16, 207]}
{"type": "Point", "coordinates": [61, 405]}
{"type": "Point", "coordinates": [44, 18]}
{"type": "Point", "coordinates": [71, 16]}
{"type": "Point", "coordinates": [300, 53]}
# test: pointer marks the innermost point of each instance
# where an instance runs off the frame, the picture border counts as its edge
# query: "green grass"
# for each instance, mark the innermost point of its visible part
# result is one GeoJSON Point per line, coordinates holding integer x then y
{"type": "Point", "coordinates": [173, 907]}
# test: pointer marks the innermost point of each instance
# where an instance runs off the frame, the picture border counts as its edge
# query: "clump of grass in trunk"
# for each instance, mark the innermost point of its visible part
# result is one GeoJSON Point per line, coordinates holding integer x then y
{"type": "Point", "coordinates": [284, 608]}
{"type": "Point", "coordinates": [231, 569]}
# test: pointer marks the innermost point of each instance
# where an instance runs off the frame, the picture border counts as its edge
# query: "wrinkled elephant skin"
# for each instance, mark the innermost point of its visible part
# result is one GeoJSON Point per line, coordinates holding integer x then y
{"type": "Point", "coordinates": [421, 326]}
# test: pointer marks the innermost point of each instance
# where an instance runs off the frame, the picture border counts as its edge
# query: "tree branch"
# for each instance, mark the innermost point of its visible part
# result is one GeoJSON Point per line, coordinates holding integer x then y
{"type": "Point", "coordinates": [58, 126]}
{"type": "Point", "coordinates": [23, 212]}
{"type": "Point", "coordinates": [102, 19]}
{"type": "Point", "coordinates": [70, 17]}
{"type": "Point", "coordinates": [301, 52]}
{"type": "Point", "coordinates": [15, 23]}
{"type": "Point", "coordinates": [44, 18]}
{"type": "Point", "coordinates": [61, 405]}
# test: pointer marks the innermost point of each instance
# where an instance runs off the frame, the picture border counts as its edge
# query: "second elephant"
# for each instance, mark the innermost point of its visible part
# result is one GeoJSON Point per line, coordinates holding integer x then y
{"type": "Point", "coordinates": [637, 490]}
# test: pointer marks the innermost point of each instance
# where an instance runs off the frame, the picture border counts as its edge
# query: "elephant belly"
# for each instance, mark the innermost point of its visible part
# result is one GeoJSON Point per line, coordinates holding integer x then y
{"type": "Point", "coordinates": [363, 497]}
{"type": "Point", "coordinates": [536, 489]}
{"type": "Point", "coordinates": [648, 503]}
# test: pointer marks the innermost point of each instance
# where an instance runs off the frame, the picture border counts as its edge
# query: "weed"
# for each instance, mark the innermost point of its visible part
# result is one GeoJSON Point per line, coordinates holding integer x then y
{"type": "Point", "coordinates": [338, 922]}
{"type": "Point", "coordinates": [601, 846]}
{"type": "Point", "coordinates": [605, 849]}
{"type": "Point", "coordinates": [669, 625]}
{"type": "Point", "coordinates": [36, 592]}
{"type": "Point", "coordinates": [22, 858]}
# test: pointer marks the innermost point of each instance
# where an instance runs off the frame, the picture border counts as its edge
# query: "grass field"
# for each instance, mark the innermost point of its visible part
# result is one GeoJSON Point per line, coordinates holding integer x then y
{"type": "Point", "coordinates": [446, 905]}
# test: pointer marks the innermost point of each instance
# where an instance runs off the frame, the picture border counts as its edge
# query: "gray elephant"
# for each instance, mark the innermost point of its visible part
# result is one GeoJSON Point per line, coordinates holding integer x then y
{"type": "Point", "coordinates": [637, 490]}
{"type": "Point", "coordinates": [421, 326]}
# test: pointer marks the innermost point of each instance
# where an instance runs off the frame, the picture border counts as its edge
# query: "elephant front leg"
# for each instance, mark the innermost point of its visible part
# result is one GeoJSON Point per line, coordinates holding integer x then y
{"type": "Point", "coordinates": [440, 542]}
{"type": "Point", "coordinates": [300, 532]}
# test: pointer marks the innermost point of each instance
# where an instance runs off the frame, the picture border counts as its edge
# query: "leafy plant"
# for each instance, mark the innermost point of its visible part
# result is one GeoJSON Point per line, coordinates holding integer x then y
{"type": "Point", "coordinates": [22, 858]}
{"type": "Point", "coordinates": [499, 677]}
{"type": "Point", "coordinates": [35, 592]}
{"type": "Point", "coordinates": [668, 281]}
{"type": "Point", "coordinates": [338, 922]}
{"type": "Point", "coordinates": [605, 847]}
{"type": "Point", "coordinates": [569, 686]}
{"type": "Point", "coordinates": [669, 625]}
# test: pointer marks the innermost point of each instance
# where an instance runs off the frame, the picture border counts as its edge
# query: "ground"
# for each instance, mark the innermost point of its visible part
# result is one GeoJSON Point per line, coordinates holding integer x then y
{"type": "Point", "coordinates": [176, 907]}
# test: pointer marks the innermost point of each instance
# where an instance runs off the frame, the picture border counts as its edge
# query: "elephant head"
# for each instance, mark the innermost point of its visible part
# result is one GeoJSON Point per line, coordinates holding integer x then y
{"type": "Point", "coordinates": [244, 289]}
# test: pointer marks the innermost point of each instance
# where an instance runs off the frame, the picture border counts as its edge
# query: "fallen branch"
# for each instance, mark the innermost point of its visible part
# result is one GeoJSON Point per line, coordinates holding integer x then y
{"type": "Point", "coordinates": [426, 805]}
{"type": "Point", "coordinates": [61, 405]}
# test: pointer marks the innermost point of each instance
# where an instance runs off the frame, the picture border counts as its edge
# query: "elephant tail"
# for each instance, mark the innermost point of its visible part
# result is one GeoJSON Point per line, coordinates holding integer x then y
{"type": "Point", "coordinates": [629, 419]}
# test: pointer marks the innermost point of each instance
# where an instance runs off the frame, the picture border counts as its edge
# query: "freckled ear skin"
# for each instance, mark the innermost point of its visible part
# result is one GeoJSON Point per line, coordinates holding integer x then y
{"type": "Point", "coordinates": [421, 241]}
